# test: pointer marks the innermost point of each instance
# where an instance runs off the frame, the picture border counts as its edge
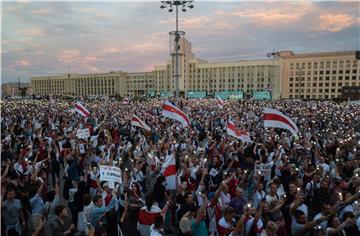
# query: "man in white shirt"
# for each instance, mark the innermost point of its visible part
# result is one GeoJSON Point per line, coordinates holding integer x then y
{"type": "Point", "coordinates": [157, 228]}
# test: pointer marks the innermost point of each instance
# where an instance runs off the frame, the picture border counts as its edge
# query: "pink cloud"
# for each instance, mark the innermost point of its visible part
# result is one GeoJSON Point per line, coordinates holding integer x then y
{"type": "Point", "coordinates": [68, 56]}
{"type": "Point", "coordinates": [90, 58]}
{"type": "Point", "coordinates": [335, 23]}
{"type": "Point", "coordinates": [268, 15]}
{"type": "Point", "coordinates": [94, 69]}
{"type": "Point", "coordinates": [113, 50]}
{"type": "Point", "coordinates": [195, 22]}
{"type": "Point", "coordinates": [24, 63]}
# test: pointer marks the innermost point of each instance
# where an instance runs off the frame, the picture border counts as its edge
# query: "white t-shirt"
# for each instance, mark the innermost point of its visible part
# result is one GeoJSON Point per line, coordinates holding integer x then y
{"type": "Point", "coordinates": [154, 232]}
{"type": "Point", "coordinates": [270, 199]}
{"type": "Point", "coordinates": [323, 224]}
{"type": "Point", "coordinates": [224, 199]}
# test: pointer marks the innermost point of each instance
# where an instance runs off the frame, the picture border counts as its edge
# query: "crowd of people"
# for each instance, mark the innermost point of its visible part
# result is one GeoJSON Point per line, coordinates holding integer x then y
{"type": "Point", "coordinates": [50, 178]}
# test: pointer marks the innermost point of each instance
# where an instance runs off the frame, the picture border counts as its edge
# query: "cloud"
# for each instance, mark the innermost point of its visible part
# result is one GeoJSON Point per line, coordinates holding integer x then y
{"type": "Point", "coordinates": [113, 50]}
{"type": "Point", "coordinates": [335, 23]}
{"type": "Point", "coordinates": [90, 58]}
{"type": "Point", "coordinates": [267, 14]}
{"type": "Point", "coordinates": [94, 69]}
{"type": "Point", "coordinates": [23, 63]}
{"type": "Point", "coordinates": [32, 32]}
{"type": "Point", "coordinates": [94, 12]}
{"type": "Point", "coordinates": [195, 22]}
{"type": "Point", "coordinates": [68, 56]}
{"type": "Point", "coordinates": [41, 11]}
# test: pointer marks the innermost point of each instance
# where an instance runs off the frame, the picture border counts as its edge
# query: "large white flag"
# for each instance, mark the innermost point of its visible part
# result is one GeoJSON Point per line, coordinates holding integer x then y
{"type": "Point", "coordinates": [136, 121]}
{"type": "Point", "coordinates": [232, 130]}
{"type": "Point", "coordinates": [169, 171]}
{"type": "Point", "coordinates": [276, 119]}
{"type": "Point", "coordinates": [172, 112]}
{"type": "Point", "coordinates": [79, 108]}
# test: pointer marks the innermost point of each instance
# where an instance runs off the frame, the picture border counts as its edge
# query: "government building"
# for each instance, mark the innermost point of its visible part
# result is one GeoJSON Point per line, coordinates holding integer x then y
{"type": "Point", "coordinates": [285, 75]}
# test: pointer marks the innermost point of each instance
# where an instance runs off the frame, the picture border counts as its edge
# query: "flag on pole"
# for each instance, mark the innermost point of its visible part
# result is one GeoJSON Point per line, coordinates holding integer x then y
{"type": "Point", "coordinates": [220, 102]}
{"type": "Point", "coordinates": [169, 172]}
{"type": "Point", "coordinates": [79, 108]}
{"type": "Point", "coordinates": [232, 130]}
{"type": "Point", "coordinates": [276, 119]}
{"type": "Point", "coordinates": [172, 112]}
{"type": "Point", "coordinates": [136, 121]}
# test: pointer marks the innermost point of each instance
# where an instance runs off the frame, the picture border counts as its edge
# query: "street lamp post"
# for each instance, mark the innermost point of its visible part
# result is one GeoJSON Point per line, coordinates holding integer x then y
{"type": "Point", "coordinates": [177, 33]}
{"type": "Point", "coordinates": [273, 55]}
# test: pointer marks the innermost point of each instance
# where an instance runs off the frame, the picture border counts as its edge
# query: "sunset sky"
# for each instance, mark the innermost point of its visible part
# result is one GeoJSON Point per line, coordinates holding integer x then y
{"type": "Point", "coordinates": [48, 38]}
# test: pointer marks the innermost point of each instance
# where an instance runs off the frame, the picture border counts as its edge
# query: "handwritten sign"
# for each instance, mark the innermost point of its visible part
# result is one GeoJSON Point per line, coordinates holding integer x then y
{"type": "Point", "coordinates": [264, 170]}
{"type": "Point", "coordinates": [111, 174]}
{"type": "Point", "coordinates": [83, 133]}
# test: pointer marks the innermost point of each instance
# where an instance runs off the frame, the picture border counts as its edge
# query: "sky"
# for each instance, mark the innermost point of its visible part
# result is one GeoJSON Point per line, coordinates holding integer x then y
{"type": "Point", "coordinates": [51, 38]}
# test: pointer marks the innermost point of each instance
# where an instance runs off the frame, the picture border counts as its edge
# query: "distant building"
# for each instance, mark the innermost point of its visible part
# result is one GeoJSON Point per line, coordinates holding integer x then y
{"type": "Point", "coordinates": [287, 75]}
{"type": "Point", "coordinates": [352, 93]}
{"type": "Point", "coordinates": [12, 89]}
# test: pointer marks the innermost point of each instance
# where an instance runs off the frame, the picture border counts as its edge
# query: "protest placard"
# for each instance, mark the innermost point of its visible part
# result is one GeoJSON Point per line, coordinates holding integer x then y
{"type": "Point", "coordinates": [83, 133]}
{"type": "Point", "coordinates": [110, 174]}
{"type": "Point", "coordinates": [264, 170]}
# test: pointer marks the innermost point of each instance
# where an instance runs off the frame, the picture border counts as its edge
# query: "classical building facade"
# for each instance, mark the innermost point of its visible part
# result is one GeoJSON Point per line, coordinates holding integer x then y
{"type": "Point", "coordinates": [288, 75]}
{"type": "Point", "coordinates": [318, 75]}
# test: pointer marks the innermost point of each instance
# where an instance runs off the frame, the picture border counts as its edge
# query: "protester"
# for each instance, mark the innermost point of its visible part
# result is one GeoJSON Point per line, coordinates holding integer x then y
{"type": "Point", "coordinates": [190, 168]}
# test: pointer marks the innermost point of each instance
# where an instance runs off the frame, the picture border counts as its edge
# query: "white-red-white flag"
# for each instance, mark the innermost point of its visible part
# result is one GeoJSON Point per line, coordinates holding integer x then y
{"type": "Point", "coordinates": [220, 102]}
{"type": "Point", "coordinates": [169, 172]}
{"type": "Point", "coordinates": [172, 112]}
{"type": "Point", "coordinates": [234, 131]}
{"type": "Point", "coordinates": [79, 108]}
{"type": "Point", "coordinates": [276, 119]}
{"type": "Point", "coordinates": [126, 101]}
{"type": "Point", "coordinates": [136, 121]}
{"type": "Point", "coordinates": [147, 217]}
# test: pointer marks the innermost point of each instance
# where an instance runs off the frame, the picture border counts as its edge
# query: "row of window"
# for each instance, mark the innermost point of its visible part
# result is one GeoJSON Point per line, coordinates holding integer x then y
{"type": "Point", "coordinates": [339, 84]}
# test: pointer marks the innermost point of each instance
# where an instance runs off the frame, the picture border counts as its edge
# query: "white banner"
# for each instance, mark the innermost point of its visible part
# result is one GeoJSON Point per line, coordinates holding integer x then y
{"type": "Point", "coordinates": [213, 172]}
{"type": "Point", "coordinates": [264, 170]}
{"type": "Point", "coordinates": [110, 173]}
{"type": "Point", "coordinates": [82, 148]}
{"type": "Point", "coordinates": [83, 133]}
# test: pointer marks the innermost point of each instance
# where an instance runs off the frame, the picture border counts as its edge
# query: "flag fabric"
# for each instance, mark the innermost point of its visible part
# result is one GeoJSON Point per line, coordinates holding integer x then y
{"type": "Point", "coordinates": [172, 112]}
{"type": "Point", "coordinates": [79, 108]}
{"type": "Point", "coordinates": [169, 172]}
{"type": "Point", "coordinates": [136, 121]}
{"type": "Point", "coordinates": [126, 101]}
{"type": "Point", "coordinates": [235, 132]}
{"type": "Point", "coordinates": [276, 119]}
{"type": "Point", "coordinates": [147, 217]}
{"type": "Point", "coordinates": [220, 102]}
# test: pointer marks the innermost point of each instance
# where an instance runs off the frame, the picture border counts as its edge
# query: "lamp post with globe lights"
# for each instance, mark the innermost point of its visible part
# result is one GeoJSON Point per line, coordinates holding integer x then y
{"type": "Point", "coordinates": [171, 5]}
